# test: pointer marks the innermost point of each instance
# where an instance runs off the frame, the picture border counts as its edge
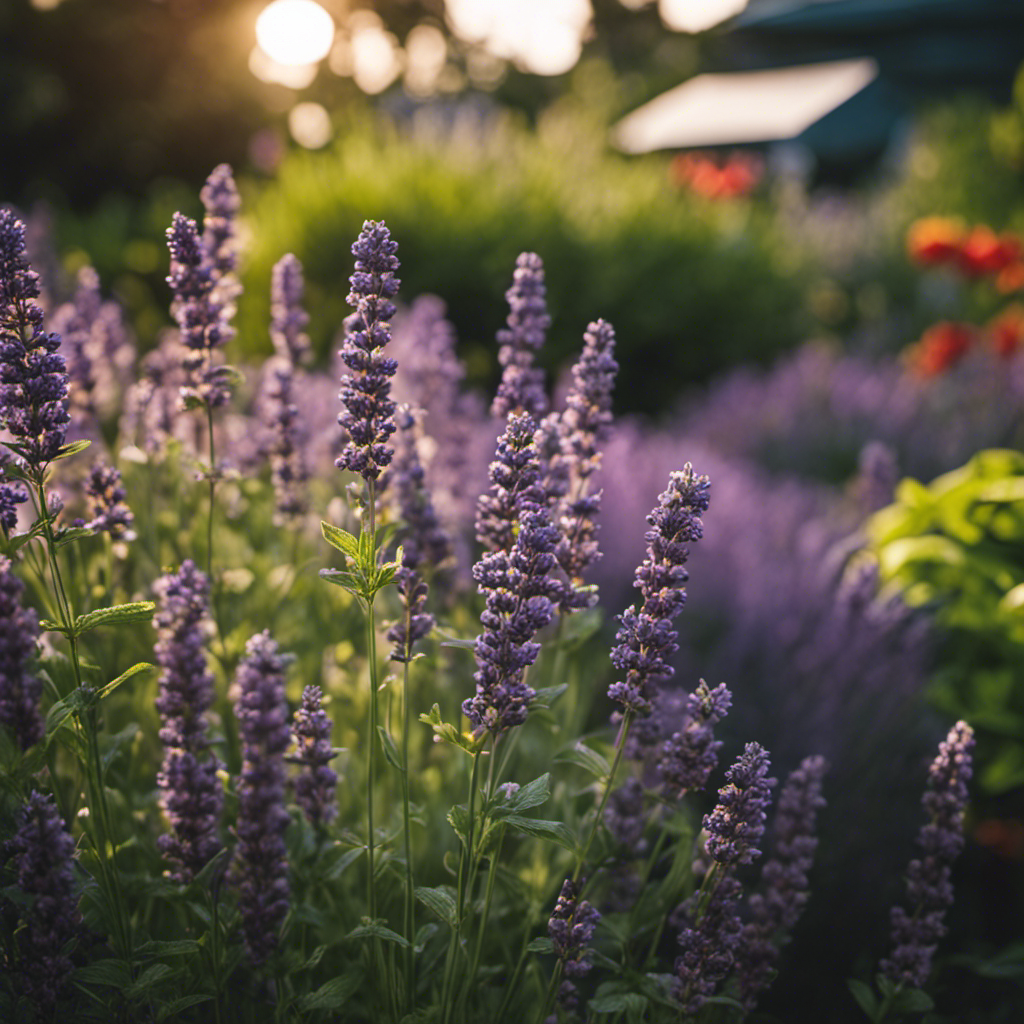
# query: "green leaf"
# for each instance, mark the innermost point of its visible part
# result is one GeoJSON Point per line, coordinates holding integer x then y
{"type": "Point", "coordinates": [149, 977]}
{"type": "Point", "coordinates": [181, 1003]}
{"type": "Point", "coordinates": [333, 994]}
{"type": "Point", "coordinates": [458, 818]}
{"type": "Point", "coordinates": [440, 900]}
{"type": "Point", "coordinates": [341, 539]}
{"type": "Point", "coordinates": [391, 753]}
{"type": "Point", "coordinates": [71, 534]}
{"type": "Point", "coordinates": [449, 734]}
{"type": "Point", "coordinates": [865, 996]}
{"type": "Point", "coordinates": [913, 1000]}
{"type": "Point", "coordinates": [553, 831]}
{"type": "Point", "coordinates": [136, 611]}
{"type": "Point", "coordinates": [533, 794]}
{"type": "Point", "coordinates": [116, 973]}
{"type": "Point", "coordinates": [619, 1002]}
{"type": "Point", "coordinates": [375, 930]}
{"type": "Point", "coordinates": [140, 666]}
{"type": "Point", "coordinates": [541, 945]}
{"type": "Point", "coordinates": [547, 695]}
{"type": "Point", "coordinates": [586, 758]}
{"type": "Point", "coordinates": [71, 448]}
{"type": "Point", "coordinates": [168, 947]}
{"type": "Point", "coordinates": [314, 958]}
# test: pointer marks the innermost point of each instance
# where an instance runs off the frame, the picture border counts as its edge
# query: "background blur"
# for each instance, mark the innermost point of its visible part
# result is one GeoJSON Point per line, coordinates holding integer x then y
{"type": "Point", "coordinates": [747, 235]}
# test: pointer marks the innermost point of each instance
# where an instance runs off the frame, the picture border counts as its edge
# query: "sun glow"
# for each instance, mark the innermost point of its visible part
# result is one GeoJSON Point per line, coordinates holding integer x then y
{"type": "Point", "coordinates": [295, 32]}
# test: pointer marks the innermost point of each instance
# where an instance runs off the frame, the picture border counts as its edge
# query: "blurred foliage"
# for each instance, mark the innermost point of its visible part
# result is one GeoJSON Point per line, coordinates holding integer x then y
{"type": "Point", "coordinates": [690, 287]}
{"type": "Point", "coordinates": [958, 545]}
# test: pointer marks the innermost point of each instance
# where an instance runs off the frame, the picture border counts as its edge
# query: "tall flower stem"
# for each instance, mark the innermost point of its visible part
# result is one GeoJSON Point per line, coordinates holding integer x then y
{"type": "Point", "coordinates": [410, 897]}
{"type": "Point", "coordinates": [214, 590]}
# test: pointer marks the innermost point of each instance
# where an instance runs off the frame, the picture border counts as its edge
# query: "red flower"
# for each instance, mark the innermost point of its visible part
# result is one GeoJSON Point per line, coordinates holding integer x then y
{"type": "Point", "coordinates": [935, 240]}
{"type": "Point", "coordinates": [1011, 278]}
{"type": "Point", "coordinates": [940, 347]}
{"type": "Point", "coordinates": [983, 252]}
{"type": "Point", "coordinates": [1007, 330]}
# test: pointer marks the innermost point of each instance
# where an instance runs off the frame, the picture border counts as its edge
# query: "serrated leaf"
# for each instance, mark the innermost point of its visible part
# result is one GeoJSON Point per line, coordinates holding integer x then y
{"type": "Point", "coordinates": [181, 1003]}
{"type": "Point", "coordinates": [151, 976]}
{"type": "Point", "coordinates": [341, 539]}
{"type": "Point", "coordinates": [440, 900]}
{"type": "Point", "coordinates": [48, 625]}
{"type": "Point", "coordinates": [71, 534]}
{"type": "Point", "coordinates": [379, 931]}
{"type": "Point", "coordinates": [533, 794]}
{"type": "Point", "coordinates": [71, 448]}
{"type": "Point", "coordinates": [541, 945]}
{"type": "Point", "coordinates": [136, 611]}
{"type": "Point", "coordinates": [585, 757]}
{"type": "Point", "coordinates": [332, 994]}
{"type": "Point", "coordinates": [458, 818]}
{"type": "Point", "coordinates": [619, 1002]}
{"type": "Point", "coordinates": [391, 753]}
{"type": "Point", "coordinates": [116, 973]}
{"type": "Point", "coordinates": [865, 996]}
{"type": "Point", "coordinates": [350, 581]}
{"type": "Point", "coordinates": [554, 831]}
{"type": "Point", "coordinates": [138, 667]}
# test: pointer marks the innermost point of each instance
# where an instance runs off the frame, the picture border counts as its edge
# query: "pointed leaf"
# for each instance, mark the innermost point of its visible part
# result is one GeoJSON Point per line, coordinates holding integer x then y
{"type": "Point", "coordinates": [554, 831]}
{"type": "Point", "coordinates": [175, 1006]}
{"type": "Point", "coordinates": [136, 611]}
{"type": "Point", "coordinates": [440, 900]}
{"type": "Point", "coordinates": [865, 996]}
{"type": "Point", "coordinates": [71, 448]}
{"type": "Point", "coordinates": [585, 758]}
{"type": "Point", "coordinates": [141, 666]}
{"type": "Point", "coordinates": [375, 930]}
{"type": "Point", "coordinates": [547, 696]}
{"type": "Point", "coordinates": [341, 539]}
{"type": "Point", "coordinates": [541, 945]}
{"type": "Point", "coordinates": [390, 750]}
{"type": "Point", "coordinates": [333, 994]}
{"type": "Point", "coordinates": [533, 794]}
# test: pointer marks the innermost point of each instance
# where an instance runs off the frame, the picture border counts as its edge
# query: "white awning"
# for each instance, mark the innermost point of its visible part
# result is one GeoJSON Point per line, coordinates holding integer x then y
{"type": "Point", "coordinates": [745, 106]}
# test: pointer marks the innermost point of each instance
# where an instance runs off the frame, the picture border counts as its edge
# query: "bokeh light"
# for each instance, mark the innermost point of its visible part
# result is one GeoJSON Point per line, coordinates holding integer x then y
{"type": "Point", "coordinates": [697, 15]}
{"type": "Point", "coordinates": [544, 37]}
{"type": "Point", "coordinates": [368, 53]}
{"type": "Point", "coordinates": [310, 125]}
{"type": "Point", "coordinates": [266, 69]}
{"type": "Point", "coordinates": [295, 32]}
{"type": "Point", "coordinates": [426, 52]}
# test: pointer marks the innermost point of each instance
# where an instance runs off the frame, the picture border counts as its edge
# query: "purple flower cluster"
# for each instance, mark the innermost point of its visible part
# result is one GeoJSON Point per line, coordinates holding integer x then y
{"type": "Point", "coordinates": [646, 639]}
{"type": "Point", "coordinates": [571, 928]}
{"type": "Point", "coordinates": [522, 384]}
{"type": "Point", "coordinates": [33, 379]}
{"type": "Point", "coordinates": [515, 482]}
{"type": "Point", "coordinates": [42, 852]}
{"type": "Point", "coordinates": [20, 688]}
{"type": "Point", "coordinates": [916, 935]}
{"type": "Point", "coordinates": [190, 792]}
{"type": "Point", "coordinates": [711, 938]}
{"type": "Point", "coordinates": [366, 390]}
{"type": "Point", "coordinates": [521, 591]}
{"type": "Point", "coordinates": [688, 757]}
{"type": "Point", "coordinates": [12, 494]}
{"type": "Point", "coordinates": [260, 868]}
{"type": "Point", "coordinates": [314, 787]}
{"type": "Point", "coordinates": [107, 508]}
{"type": "Point", "coordinates": [221, 201]}
{"type": "Point", "coordinates": [288, 318]}
{"type": "Point", "coordinates": [775, 911]}
{"type": "Point", "coordinates": [580, 429]}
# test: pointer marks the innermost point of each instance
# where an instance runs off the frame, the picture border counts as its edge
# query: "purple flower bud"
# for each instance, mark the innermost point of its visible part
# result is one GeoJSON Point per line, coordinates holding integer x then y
{"type": "Point", "coordinates": [689, 756]}
{"type": "Point", "coordinates": [33, 380]}
{"type": "Point", "coordinates": [571, 929]}
{"type": "Point", "coordinates": [736, 824]}
{"type": "Point", "coordinates": [42, 853]}
{"type": "Point", "coordinates": [20, 688]}
{"type": "Point", "coordinates": [190, 792]}
{"type": "Point", "coordinates": [646, 639]}
{"type": "Point", "coordinates": [774, 912]}
{"type": "Point", "coordinates": [221, 201]}
{"type": "Point", "coordinates": [260, 867]}
{"type": "Point", "coordinates": [288, 319]}
{"type": "Point", "coordinates": [107, 508]}
{"type": "Point", "coordinates": [915, 935]}
{"type": "Point", "coordinates": [314, 787]}
{"type": "Point", "coordinates": [522, 385]}
{"type": "Point", "coordinates": [366, 391]}
{"type": "Point", "coordinates": [12, 494]}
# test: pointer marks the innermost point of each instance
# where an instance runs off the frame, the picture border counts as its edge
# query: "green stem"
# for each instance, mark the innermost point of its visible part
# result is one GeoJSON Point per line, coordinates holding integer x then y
{"type": "Point", "coordinates": [371, 749]}
{"type": "Point", "coordinates": [410, 898]}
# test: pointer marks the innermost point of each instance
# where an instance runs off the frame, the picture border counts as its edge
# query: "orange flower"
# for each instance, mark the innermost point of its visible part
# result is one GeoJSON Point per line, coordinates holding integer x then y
{"type": "Point", "coordinates": [1011, 278]}
{"type": "Point", "coordinates": [934, 240]}
{"type": "Point", "coordinates": [701, 174]}
{"type": "Point", "coordinates": [940, 347]}
{"type": "Point", "coordinates": [1007, 330]}
{"type": "Point", "coordinates": [984, 252]}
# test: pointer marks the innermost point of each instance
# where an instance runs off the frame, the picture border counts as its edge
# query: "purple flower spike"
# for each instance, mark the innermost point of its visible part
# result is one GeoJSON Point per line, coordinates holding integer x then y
{"type": "Point", "coordinates": [314, 788]}
{"type": "Point", "coordinates": [522, 385]}
{"type": "Point", "coordinates": [42, 853]}
{"type": "Point", "coordinates": [571, 929]}
{"type": "Point", "coordinates": [20, 688]}
{"type": "Point", "coordinates": [736, 824]}
{"type": "Point", "coordinates": [260, 868]}
{"type": "Point", "coordinates": [190, 792]}
{"type": "Point", "coordinates": [12, 494]}
{"type": "Point", "coordinates": [689, 757]}
{"type": "Point", "coordinates": [107, 508]}
{"type": "Point", "coordinates": [288, 467]}
{"type": "Point", "coordinates": [915, 935]}
{"type": "Point", "coordinates": [366, 391]}
{"type": "Point", "coordinates": [646, 639]}
{"type": "Point", "coordinates": [33, 378]}
{"type": "Point", "coordinates": [221, 201]}
{"type": "Point", "coordinates": [521, 588]}
{"type": "Point", "coordinates": [288, 318]}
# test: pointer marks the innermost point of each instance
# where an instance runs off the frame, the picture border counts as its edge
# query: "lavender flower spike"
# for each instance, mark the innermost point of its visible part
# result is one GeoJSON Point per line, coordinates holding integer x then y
{"type": "Point", "coordinates": [689, 757]}
{"type": "Point", "coordinates": [221, 201]}
{"type": "Point", "coordinates": [12, 494]}
{"type": "Point", "coordinates": [190, 792]}
{"type": "Point", "coordinates": [522, 385]}
{"type": "Point", "coordinates": [42, 853]}
{"type": "Point", "coordinates": [571, 929]}
{"type": "Point", "coordinates": [33, 378]}
{"type": "Point", "coordinates": [736, 824]}
{"type": "Point", "coordinates": [107, 508]}
{"type": "Point", "coordinates": [314, 788]}
{"type": "Point", "coordinates": [646, 639]}
{"type": "Point", "coordinates": [366, 391]}
{"type": "Point", "coordinates": [774, 912]}
{"type": "Point", "coordinates": [916, 935]}
{"type": "Point", "coordinates": [20, 688]}
{"type": "Point", "coordinates": [260, 868]}
{"type": "Point", "coordinates": [288, 319]}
